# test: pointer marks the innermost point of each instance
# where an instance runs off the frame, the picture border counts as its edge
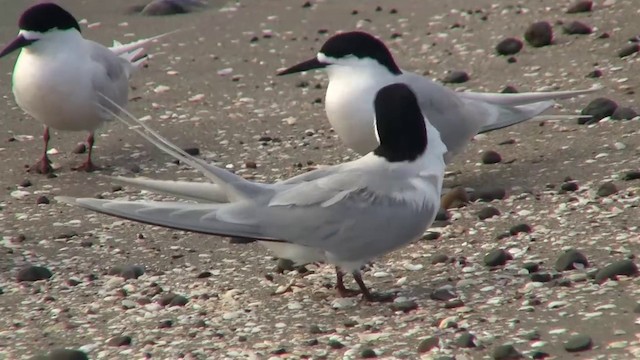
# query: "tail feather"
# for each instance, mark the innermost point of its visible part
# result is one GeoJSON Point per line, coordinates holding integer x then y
{"type": "Point", "coordinates": [527, 98]}
{"type": "Point", "coordinates": [197, 191]}
{"type": "Point", "coordinates": [200, 218]}
{"type": "Point", "coordinates": [135, 52]}
{"type": "Point", "coordinates": [508, 116]}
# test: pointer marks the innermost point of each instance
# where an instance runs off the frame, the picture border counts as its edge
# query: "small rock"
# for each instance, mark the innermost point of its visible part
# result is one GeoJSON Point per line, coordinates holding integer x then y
{"type": "Point", "coordinates": [488, 212]}
{"type": "Point", "coordinates": [204, 275]}
{"type": "Point", "coordinates": [531, 267]}
{"type": "Point", "coordinates": [250, 164]}
{"type": "Point", "coordinates": [539, 34]}
{"type": "Point", "coordinates": [520, 228]}
{"type": "Point", "coordinates": [179, 300]}
{"type": "Point", "coordinates": [455, 198]}
{"type": "Point", "coordinates": [570, 257]}
{"type": "Point", "coordinates": [509, 46]}
{"type": "Point", "coordinates": [368, 353]}
{"type": "Point", "coordinates": [497, 257]}
{"type": "Point", "coordinates": [25, 183]}
{"type": "Point", "coordinates": [427, 344]}
{"type": "Point", "coordinates": [611, 271]}
{"type": "Point", "coordinates": [127, 271]}
{"type": "Point", "coordinates": [443, 294]}
{"type": "Point", "coordinates": [577, 28]}
{"type": "Point", "coordinates": [595, 74]}
{"type": "Point", "coordinates": [629, 50]}
{"type": "Point", "coordinates": [121, 340]}
{"type": "Point", "coordinates": [541, 277]}
{"type": "Point", "coordinates": [67, 354]}
{"type": "Point", "coordinates": [491, 157]}
{"type": "Point", "coordinates": [538, 354]}
{"type": "Point", "coordinates": [466, 340]}
{"type": "Point", "coordinates": [509, 90]}
{"type": "Point", "coordinates": [165, 324]}
{"type": "Point", "coordinates": [631, 175]}
{"type": "Point", "coordinates": [240, 240]}
{"type": "Point", "coordinates": [164, 7]}
{"type": "Point", "coordinates": [404, 306]}
{"type": "Point", "coordinates": [607, 189]}
{"type": "Point", "coordinates": [431, 235]}
{"type": "Point", "coordinates": [456, 77]}
{"type": "Point", "coordinates": [506, 352]}
{"type": "Point", "coordinates": [33, 273]}
{"type": "Point", "coordinates": [42, 200]}
{"type": "Point", "coordinates": [193, 151]}
{"type": "Point", "coordinates": [624, 113]}
{"type": "Point", "coordinates": [80, 148]}
{"type": "Point", "coordinates": [439, 258]}
{"type": "Point", "coordinates": [569, 186]}
{"type": "Point", "coordinates": [488, 195]}
{"type": "Point", "coordinates": [454, 303]}
{"type": "Point", "coordinates": [580, 6]}
{"type": "Point", "coordinates": [578, 342]}
{"type": "Point", "coordinates": [335, 344]}
{"type": "Point", "coordinates": [442, 215]}
{"type": "Point", "coordinates": [285, 265]}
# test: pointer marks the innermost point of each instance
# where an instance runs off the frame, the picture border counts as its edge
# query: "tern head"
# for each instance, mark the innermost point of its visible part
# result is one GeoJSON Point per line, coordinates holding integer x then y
{"type": "Point", "coordinates": [38, 21]}
{"type": "Point", "coordinates": [352, 49]}
{"type": "Point", "coordinates": [399, 124]}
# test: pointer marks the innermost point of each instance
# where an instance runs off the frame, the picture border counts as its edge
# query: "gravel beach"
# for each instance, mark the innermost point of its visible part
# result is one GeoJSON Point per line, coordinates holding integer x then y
{"type": "Point", "coordinates": [541, 263]}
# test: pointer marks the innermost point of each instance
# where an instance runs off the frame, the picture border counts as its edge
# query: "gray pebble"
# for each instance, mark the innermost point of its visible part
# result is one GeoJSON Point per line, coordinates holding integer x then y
{"type": "Point", "coordinates": [624, 113]}
{"type": "Point", "coordinates": [429, 343]}
{"type": "Point", "coordinates": [491, 157]}
{"type": "Point", "coordinates": [466, 340]}
{"type": "Point", "coordinates": [497, 257]}
{"type": "Point", "coordinates": [121, 340]}
{"type": "Point", "coordinates": [33, 273]}
{"type": "Point", "coordinates": [622, 267]}
{"type": "Point", "coordinates": [509, 46]}
{"type": "Point", "coordinates": [578, 342]}
{"type": "Point", "coordinates": [599, 109]}
{"type": "Point", "coordinates": [456, 77]}
{"type": "Point", "coordinates": [577, 28]}
{"type": "Point", "coordinates": [580, 6]}
{"type": "Point", "coordinates": [607, 189]}
{"type": "Point", "coordinates": [629, 50]}
{"type": "Point", "coordinates": [539, 34]}
{"type": "Point", "coordinates": [570, 257]}
{"type": "Point", "coordinates": [488, 212]}
{"type": "Point", "coordinates": [506, 352]}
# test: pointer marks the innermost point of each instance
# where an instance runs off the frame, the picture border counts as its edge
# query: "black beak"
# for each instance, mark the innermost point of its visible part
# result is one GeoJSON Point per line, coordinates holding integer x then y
{"type": "Point", "coordinates": [303, 66]}
{"type": "Point", "coordinates": [17, 43]}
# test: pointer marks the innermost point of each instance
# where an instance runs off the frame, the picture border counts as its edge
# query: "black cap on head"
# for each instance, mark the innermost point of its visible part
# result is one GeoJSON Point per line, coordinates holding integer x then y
{"type": "Point", "coordinates": [360, 45]}
{"type": "Point", "coordinates": [399, 123]}
{"type": "Point", "coordinates": [46, 16]}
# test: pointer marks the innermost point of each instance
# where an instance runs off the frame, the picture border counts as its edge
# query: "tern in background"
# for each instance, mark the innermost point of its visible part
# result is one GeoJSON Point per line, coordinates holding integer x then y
{"type": "Point", "coordinates": [345, 214]}
{"type": "Point", "coordinates": [358, 65]}
{"type": "Point", "coordinates": [59, 74]}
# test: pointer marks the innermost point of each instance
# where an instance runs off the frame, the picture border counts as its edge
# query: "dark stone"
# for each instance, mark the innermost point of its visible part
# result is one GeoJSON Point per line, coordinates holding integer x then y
{"type": "Point", "coordinates": [431, 235]}
{"type": "Point", "coordinates": [67, 354]}
{"type": "Point", "coordinates": [629, 50]}
{"type": "Point", "coordinates": [368, 353]}
{"type": "Point", "coordinates": [595, 74]}
{"type": "Point", "coordinates": [520, 228]}
{"type": "Point", "coordinates": [452, 304]}
{"type": "Point", "coordinates": [127, 271]}
{"type": "Point", "coordinates": [204, 275]}
{"type": "Point", "coordinates": [250, 164]}
{"type": "Point", "coordinates": [577, 28]}
{"type": "Point", "coordinates": [335, 344]}
{"type": "Point", "coordinates": [193, 151]}
{"type": "Point", "coordinates": [506, 352]}
{"type": "Point", "coordinates": [580, 6]}
{"type": "Point", "coordinates": [166, 299]}
{"type": "Point", "coordinates": [623, 113]}
{"type": "Point", "coordinates": [427, 344]}
{"type": "Point", "coordinates": [25, 183]}
{"type": "Point", "coordinates": [541, 277]}
{"type": "Point", "coordinates": [578, 342]}
{"type": "Point", "coordinates": [466, 340]}
{"type": "Point", "coordinates": [599, 109]}
{"type": "Point", "coordinates": [607, 189]}
{"type": "Point", "coordinates": [488, 212]}
{"type": "Point", "coordinates": [442, 215]}
{"type": "Point", "coordinates": [456, 77]}
{"type": "Point", "coordinates": [33, 273]}
{"type": "Point", "coordinates": [509, 90]}
{"type": "Point", "coordinates": [307, 4]}
{"type": "Point", "coordinates": [532, 335]}
{"type": "Point", "coordinates": [454, 198]}
{"type": "Point", "coordinates": [488, 195]}
{"type": "Point", "coordinates": [611, 271]}
{"type": "Point", "coordinates": [531, 267]}
{"type": "Point", "coordinates": [121, 340]}
{"type": "Point", "coordinates": [570, 257]}
{"type": "Point", "coordinates": [285, 265]}
{"type": "Point", "coordinates": [497, 257]}
{"type": "Point", "coordinates": [164, 7]}
{"type": "Point", "coordinates": [439, 258]}
{"type": "Point", "coordinates": [509, 46]}
{"type": "Point", "coordinates": [80, 148]}
{"type": "Point", "coordinates": [179, 300]}
{"type": "Point", "coordinates": [165, 324]}
{"type": "Point", "coordinates": [239, 240]}
{"type": "Point", "coordinates": [491, 157]}
{"type": "Point", "coordinates": [443, 294]}
{"type": "Point", "coordinates": [404, 306]}
{"type": "Point", "coordinates": [538, 354]}
{"type": "Point", "coordinates": [539, 34]}
{"type": "Point", "coordinates": [570, 186]}
{"type": "Point", "coordinates": [631, 175]}
{"type": "Point", "coordinates": [42, 200]}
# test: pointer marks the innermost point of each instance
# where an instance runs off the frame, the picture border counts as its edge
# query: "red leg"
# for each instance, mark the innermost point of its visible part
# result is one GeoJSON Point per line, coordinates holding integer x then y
{"type": "Point", "coordinates": [88, 165]}
{"type": "Point", "coordinates": [342, 290]}
{"type": "Point", "coordinates": [43, 166]}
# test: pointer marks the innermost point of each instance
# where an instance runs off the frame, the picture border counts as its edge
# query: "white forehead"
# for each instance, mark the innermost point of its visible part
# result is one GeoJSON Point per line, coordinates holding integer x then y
{"type": "Point", "coordinates": [30, 35]}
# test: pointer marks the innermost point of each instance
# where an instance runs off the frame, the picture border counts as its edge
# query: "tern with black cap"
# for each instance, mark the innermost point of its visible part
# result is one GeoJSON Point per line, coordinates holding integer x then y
{"type": "Point", "coordinates": [358, 65]}
{"type": "Point", "coordinates": [345, 214]}
{"type": "Point", "coordinates": [58, 75]}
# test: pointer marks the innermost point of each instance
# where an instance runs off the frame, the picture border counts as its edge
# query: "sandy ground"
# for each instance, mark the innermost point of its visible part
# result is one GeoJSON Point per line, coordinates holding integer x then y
{"type": "Point", "coordinates": [233, 313]}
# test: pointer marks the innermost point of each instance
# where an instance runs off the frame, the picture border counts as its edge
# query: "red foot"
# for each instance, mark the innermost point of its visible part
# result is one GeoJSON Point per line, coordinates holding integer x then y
{"type": "Point", "coordinates": [42, 167]}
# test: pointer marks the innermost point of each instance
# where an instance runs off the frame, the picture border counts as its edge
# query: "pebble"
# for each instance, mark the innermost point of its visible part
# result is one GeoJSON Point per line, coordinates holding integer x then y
{"type": "Point", "coordinates": [42, 200]}
{"type": "Point", "coordinates": [497, 257]}
{"type": "Point", "coordinates": [570, 257]}
{"type": "Point", "coordinates": [454, 198]}
{"type": "Point", "coordinates": [595, 74]}
{"type": "Point", "coordinates": [67, 354]}
{"type": "Point", "coordinates": [509, 46]}
{"type": "Point", "coordinates": [466, 340]}
{"type": "Point", "coordinates": [121, 340]}
{"type": "Point", "coordinates": [443, 294]}
{"type": "Point", "coordinates": [520, 228]}
{"type": "Point", "coordinates": [631, 175]}
{"type": "Point", "coordinates": [33, 273]}
{"type": "Point", "coordinates": [506, 352]}
{"type": "Point", "coordinates": [531, 267]}
{"type": "Point", "coordinates": [569, 186]}
{"type": "Point", "coordinates": [578, 342]}
{"type": "Point", "coordinates": [622, 267]}
{"type": "Point", "coordinates": [629, 50]}
{"type": "Point", "coordinates": [456, 77]}
{"type": "Point", "coordinates": [541, 277]}
{"type": "Point", "coordinates": [580, 6]}
{"type": "Point", "coordinates": [539, 34]}
{"type": "Point", "coordinates": [607, 189]}
{"type": "Point", "coordinates": [509, 89]}
{"type": "Point", "coordinates": [624, 113]}
{"type": "Point", "coordinates": [404, 306]}
{"type": "Point", "coordinates": [81, 148]}
{"type": "Point", "coordinates": [25, 183]}
{"type": "Point", "coordinates": [335, 344]}
{"type": "Point", "coordinates": [491, 157]}
{"type": "Point", "coordinates": [599, 109]}
{"type": "Point", "coordinates": [193, 151]}
{"type": "Point", "coordinates": [368, 353]}
{"type": "Point", "coordinates": [127, 271]}
{"type": "Point", "coordinates": [487, 212]}
{"type": "Point", "coordinates": [429, 343]}
{"type": "Point", "coordinates": [439, 258]}
{"type": "Point", "coordinates": [165, 7]}
{"type": "Point", "coordinates": [577, 28]}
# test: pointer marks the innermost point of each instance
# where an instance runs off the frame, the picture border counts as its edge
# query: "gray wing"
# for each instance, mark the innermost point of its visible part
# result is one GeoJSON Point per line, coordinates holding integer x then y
{"type": "Point", "coordinates": [111, 77]}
